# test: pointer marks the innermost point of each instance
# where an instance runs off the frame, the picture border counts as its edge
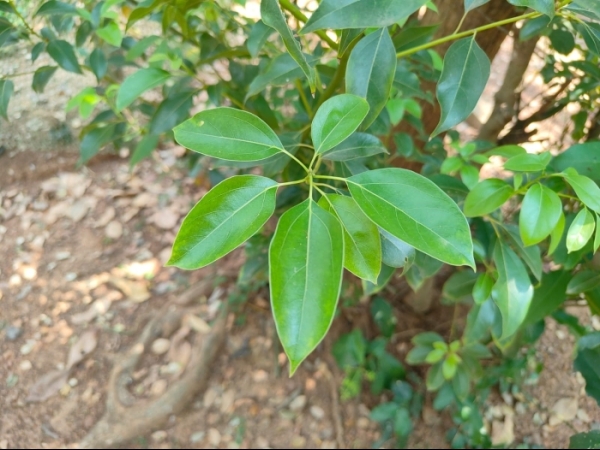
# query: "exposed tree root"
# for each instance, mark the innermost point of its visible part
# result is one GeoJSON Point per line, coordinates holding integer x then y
{"type": "Point", "coordinates": [125, 418]}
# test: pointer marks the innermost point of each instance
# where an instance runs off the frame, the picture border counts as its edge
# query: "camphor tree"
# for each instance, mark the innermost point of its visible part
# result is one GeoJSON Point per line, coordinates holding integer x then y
{"type": "Point", "coordinates": [347, 113]}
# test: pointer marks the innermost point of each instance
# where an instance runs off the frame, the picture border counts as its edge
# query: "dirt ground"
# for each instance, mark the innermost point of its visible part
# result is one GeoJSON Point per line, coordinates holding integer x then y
{"type": "Point", "coordinates": [83, 253]}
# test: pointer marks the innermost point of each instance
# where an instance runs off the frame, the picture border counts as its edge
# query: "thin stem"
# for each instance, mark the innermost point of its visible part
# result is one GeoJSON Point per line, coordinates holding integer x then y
{"type": "Point", "coordinates": [20, 74]}
{"type": "Point", "coordinates": [336, 81]}
{"type": "Point", "coordinates": [20, 16]}
{"type": "Point", "coordinates": [300, 144]}
{"type": "Point", "coordinates": [339, 191]}
{"type": "Point", "coordinates": [295, 11]}
{"type": "Point", "coordinates": [291, 183]}
{"type": "Point", "coordinates": [460, 24]}
{"type": "Point", "coordinates": [467, 33]}
{"type": "Point", "coordinates": [295, 159]}
{"type": "Point", "coordinates": [312, 161]}
{"type": "Point", "coordinates": [323, 194]}
{"type": "Point", "coordinates": [311, 184]}
{"type": "Point", "coordinates": [328, 177]}
{"type": "Point", "coordinates": [303, 98]}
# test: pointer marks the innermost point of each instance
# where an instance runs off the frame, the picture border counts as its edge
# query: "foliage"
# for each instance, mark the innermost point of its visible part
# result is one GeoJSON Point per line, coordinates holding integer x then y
{"type": "Point", "coordinates": [306, 119]}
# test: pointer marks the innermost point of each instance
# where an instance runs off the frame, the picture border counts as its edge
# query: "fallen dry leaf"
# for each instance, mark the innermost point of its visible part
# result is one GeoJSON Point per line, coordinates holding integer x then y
{"type": "Point", "coordinates": [85, 345]}
{"type": "Point", "coordinates": [98, 308]}
{"type": "Point", "coordinates": [106, 217]}
{"type": "Point", "coordinates": [197, 324]}
{"type": "Point", "coordinates": [114, 230]}
{"type": "Point", "coordinates": [165, 219]}
{"type": "Point", "coordinates": [47, 386]}
{"type": "Point", "coordinates": [135, 291]}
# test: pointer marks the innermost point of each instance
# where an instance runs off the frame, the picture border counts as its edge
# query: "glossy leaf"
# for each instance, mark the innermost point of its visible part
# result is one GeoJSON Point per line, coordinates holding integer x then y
{"type": "Point", "coordinates": [589, 440]}
{"type": "Point", "coordinates": [227, 216]}
{"type": "Point", "coordinates": [423, 215]}
{"type": "Point", "coordinates": [482, 289]}
{"type": "Point", "coordinates": [382, 280]}
{"type": "Point", "coordinates": [528, 162]}
{"type": "Point", "coordinates": [282, 69]}
{"type": "Point", "coordinates": [257, 37]}
{"type": "Point", "coordinates": [6, 7]}
{"type": "Point", "coordinates": [171, 112]}
{"type": "Point", "coordinates": [98, 63]}
{"type": "Point", "coordinates": [584, 158]}
{"type": "Point", "coordinates": [370, 71]}
{"type": "Point", "coordinates": [229, 134]}
{"type": "Point", "coordinates": [531, 256]}
{"type": "Point", "coordinates": [357, 146]}
{"type": "Point", "coordinates": [580, 231]}
{"type": "Point", "coordinates": [513, 290]}
{"type": "Point", "coordinates": [138, 83]}
{"type": "Point", "coordinates": [472, 4]}
{"type": "Point", "coordinates": [305, 270]}
{"type": "Point", "coordinates": [111, 34]}
{"type": "Point", "coordinates": [144, 149]}
{"type": "Point", "coordinates": [93, 141]}
{"type": "Point", "coordinates": [62, 52]}
{"type": "Point", "coordinates": [395, 252]}
{"type": "Point", "coordinates": [340, 15]}
{"type": "Point", "coordinates": [557, 234]}
{"type": "Point", "coordinates": [362, 246]}
{"type": "Point", "coordinates": [487, 196]}
{"type": "Point", "coordinates": [336, 120]}
{"type": "Point", "coordinates": [459, 287]}
{"type": "Point", "coordinates": [464, 76]}
{"type": "Point", "coordinates": [587, 191]}
{"type": "Point", "coordinates": [588, 363]}
{"type": "Point", "coordinates": [540, 213]}
{"type": "Point", "coordinates": [597, 234]}
{"type": "Point", "coordinates": [55, 7]}
{"type": "Point", "coordinates": [544, 6]}
{"type": "Point", "coordinates": [591, 35]}
{"type": "Point", "coordinates": [548, 296]}
{"type": "Point", "coordinates": [273, 17]}
{"type": "Point", "coordinates": [41, 77]}
{"type": "Point", "coordinates": [7, 88]}
{"type": "Point", "coordinates": [583, 281]}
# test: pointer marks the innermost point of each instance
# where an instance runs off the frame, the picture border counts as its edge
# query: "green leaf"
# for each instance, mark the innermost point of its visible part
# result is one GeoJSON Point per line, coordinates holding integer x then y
{"type": "Point", "coordinates": [281, 70]}
{"type": "Point", "coordinates": [370, 71]}
{"type": "Point", "coordinates": [487, 196]}
{"type": "Point", "coordinates": [585, 440]}
{"type": "Point", "coordinates": [138, 83]}
{"type": "Point", "coordinates": [588, 8]}
{"type": "Point", "coordinates": [528, 162]}
{"type": "Point", "coordinates": [350, 350]}
{"type": "Point", "coordinates": [540, 213]}
{"type": "Point", "coordinates": [583, 281]}
{"type": "Point", "coordinates": [55, 7]}
{"type": "Point", "coordinates": [423, 216]}
{"type": "Point", "coordinates": [336, 119]}
{"type": "Point", "coordinates": [98, 63]}
{"type": "Point", "coordinates": [513, 291]}
{"type": "Point", "coordinates": [402, 423]}
{"type": "Point", "coordinates": [459, 287]}
{"type": "Point", "coordinates": [591, 35]}
{"type": "Point", "coordinates": [435, 377]}
{"type": "Point", "coordinates": [548, 296]}
{"type": "Point", "coordinates": [140, 47]}
{"type": "Point", "coordinates": [506, 151]}
{"type": "Point", "coordinates": [171, 112]}
{"type": "Point", "coordinates": [6, 7]}
{"type": "Point", "coordinates": [340, 15]}
{"type": "Point", "coordinates": [464, 76]}
{"type": "Point", "coordinates": [273, 17]}
{"type": "Point", "coordinates": [395, 252]}
{"type": "Point", "coordinates": [584, 158]}
{"type": "Point", "coordinates": [543, 6]}
{"type": "Point", "coordinates": [417, 355]}
{"type": "Point", "coordinates": [449, 367]}
{"type": "Point", "coordinates": [588, 363]}
{"type": "Point", "coordinates": [357, 146]}
{"type": "Point", "coordinates": [259, 33]}
{"type": "Point", "coordinates": [557, 234]}
{"type": "Point", "coordinates": [111, 34]}
{"type": "Point", "coordinates": [587, 191]}
{"type": "Point", "coordinates": [226, 217]}
{"type": "Point", "coordinates": [562, 41]}
{"type": "Point", "coordinates": [7, 88]}
{"type": "Point", "coordinates": [362, 246]}
{"type": "Point", "coordinates": [580, 231]}
{"type": "Point", "coordinates": [482, 289]}
{"type": "Point", "coordinates": [385, 275]}
{"type": "Point", "coordinates": [62, 52]}
{"type": "Point", "coordinates": [531, 256]}
{"type": "Point", "coordinates": [229, 134]}
{"type": "Point", "coordinates": [305, 271]}
{"type": "Point", "coordinates": [144, 148]}
{"type": "Point", "coordinates": [41, 77]}
{"type": "Point", "coordinates": [597, 235]}
{"type": "Point", "coordinates": [472, 4]}
{"type": "Point", "coordinates": [93, 141]}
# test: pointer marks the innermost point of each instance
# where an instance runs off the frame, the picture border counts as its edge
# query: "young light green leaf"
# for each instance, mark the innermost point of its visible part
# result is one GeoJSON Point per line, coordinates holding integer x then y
{"type": "Point", "coordinates": [423, 215]}
{"type": "Point", "coordinates": [482, 289]}
{"type": "Point", "coordinates": [41, 77]}
{"type": "Point", "coordinates": [487, 196]}
{"type": "Point", "coordinates": [340, 15]}
{"type": "Point", "coordinates": [464, 76]}
{"type": "Point", "coordinates": [305, 271]}
{"type": "Point", "coordinates": [580, 231]}
{"type": "Point", "coordinates": [98, 63]}
{"type": "Point", "coordinates": [362, 247]}
{"type": "Point", "coordinates": [227, 216]}
{"type": "Point", "coordinates": [337, 119]}
{"type": "Point", "coordinates": [557, 233]}
{"type": "Point", "coordinates": [513, 291]}
{"type": "Point", "coordinates": [370, 71]}
{"type": "Point", "coordinates": [472, 4]}
{"type": "Point", "coordinates": [138, 83]}
{"type": "Point", "coordinates": [357, 146]}
{"type": "Point", "coordinates": [543, 6]}
{"type": "Point", "coordinates": [62, 52]}
{"type": "Point", "coordinates": [583, 281]}
{"type": "Point", "coordinates": [229, 134]}
{"type": "Point", "coordinates": [273, 17]}
{"type": "Point", "coordinates": [528, 162]}
{"type": "Point", "coordinates": [395, 252]}
{"type": "Point", "coordinates": [259, 33]}
{"type": "Point", "coordinates": [111, 34]}
{"type": "Point", "coordinates": [7, 88]}
{"type": "Point", "coordinates": [540, 213]}
{"type": "Point", "coordinates": [587, 191]}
